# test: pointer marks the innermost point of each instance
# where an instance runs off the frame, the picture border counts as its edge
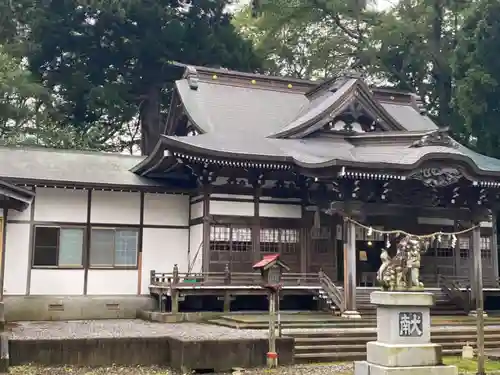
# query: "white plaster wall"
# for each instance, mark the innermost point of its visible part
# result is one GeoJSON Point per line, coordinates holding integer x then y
{"type": "Point", "coordinates": [115, 207]}
{"type": "Point", "coordinates": [16, 215]}
{"type": "Point", "coordinates": [57, 282]}
{"type": "Point", "coordinates": [16, 259]}
{"type": "Point", "coordinates": [112, 282]}
{"type": "Point", "coordinates": [63, 205]}
{"type": "Point", "coordinates": [166, 209]}
{"type": "Point", "coordinates": [196, 210]}
{"type": "Point", "coordinates": [195, 239]}
{"type": "Point", "coordinates": [280, 210]}
{"type": "Point", "coordinates": [161, 249]}
{"type": "Point", "coordinates": [231, 208]}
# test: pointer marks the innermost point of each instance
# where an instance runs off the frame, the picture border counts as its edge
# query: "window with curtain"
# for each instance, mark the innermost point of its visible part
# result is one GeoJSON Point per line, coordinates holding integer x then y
{"type": "Point", "coordinates": [58, 247]}
{"type": "Point", "coordinates": [110, 247]}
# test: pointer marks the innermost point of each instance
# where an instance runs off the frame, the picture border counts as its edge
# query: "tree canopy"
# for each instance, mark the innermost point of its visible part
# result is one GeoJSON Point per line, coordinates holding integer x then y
{"type": "Point", "coordinates": [441, 49]}
{"type": "Point", "coordinates": [107, 63]}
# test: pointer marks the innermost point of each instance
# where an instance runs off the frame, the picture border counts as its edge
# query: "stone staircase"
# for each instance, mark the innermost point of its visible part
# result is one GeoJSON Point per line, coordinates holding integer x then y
{"type": "Point", "coordinates": [300, 321]}
{"type": "Point", "coordinates": [443, 306]}
{"type": "Point", "coordinates": [327, 303]}
{"type": "Point", "coordinates": [326, 338]}
{"type": "Point", "coordinates": [350, 345]}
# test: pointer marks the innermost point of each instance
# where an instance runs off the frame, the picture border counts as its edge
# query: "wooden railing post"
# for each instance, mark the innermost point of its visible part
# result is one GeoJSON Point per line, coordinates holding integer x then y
{"type": "Point", "coordinates": [227, 294]}
{"type": "Point", "coordinates": [227, 275]}
{"type": "Point", "coordinates": [321, 274]}
{"type": "Point", "coordinates": [174, 292]}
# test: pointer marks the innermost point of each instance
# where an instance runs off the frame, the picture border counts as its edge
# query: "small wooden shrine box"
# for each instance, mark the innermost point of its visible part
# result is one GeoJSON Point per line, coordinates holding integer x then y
{"type": "Point", "coordinates": [271, 269]}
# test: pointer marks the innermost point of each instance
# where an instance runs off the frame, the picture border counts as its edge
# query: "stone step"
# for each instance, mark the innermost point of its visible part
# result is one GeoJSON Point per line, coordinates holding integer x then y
{"type": "Point", "coordinates": [347, 356]}
{"type": "Point", "coordinates": [294, 325]}
{"type": "Point", "coordinates": [328, 357]}
{"type": "Point", "coordinates": [355, 348]}
{"type": "Point", "coordinates": [331, 353]}
{"type": "Point", "coordinates": [437, 339]}
{"type": "Point", "coordinates": [367, 335]}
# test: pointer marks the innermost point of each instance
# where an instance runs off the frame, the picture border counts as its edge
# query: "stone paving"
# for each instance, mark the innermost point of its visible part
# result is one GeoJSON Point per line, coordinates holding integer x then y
{"type": "Point", "coordinates": [126, 328]}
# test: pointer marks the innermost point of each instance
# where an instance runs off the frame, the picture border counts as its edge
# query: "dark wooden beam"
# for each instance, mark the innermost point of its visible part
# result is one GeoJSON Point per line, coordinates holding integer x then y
{"type": "Point", "coordinates": [206, 228]}
{"type": "Point", "coordinates": [363, 210]}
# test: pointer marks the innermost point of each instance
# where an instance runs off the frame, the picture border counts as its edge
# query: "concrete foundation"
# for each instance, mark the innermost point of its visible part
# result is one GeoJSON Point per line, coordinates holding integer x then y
{"type": "Point", "coordinates": [42, 308]}
{"type": "Point", "coordinates": [403, 345]}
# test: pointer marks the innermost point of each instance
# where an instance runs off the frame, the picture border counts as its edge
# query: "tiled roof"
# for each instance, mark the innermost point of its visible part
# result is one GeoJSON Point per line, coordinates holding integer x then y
{"type": "Point", "coordinates": [67, 166]}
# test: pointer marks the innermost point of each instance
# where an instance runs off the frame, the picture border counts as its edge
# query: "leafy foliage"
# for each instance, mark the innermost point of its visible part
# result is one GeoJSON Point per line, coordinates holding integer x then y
{"type": "Point", "coordinates": [477, 70]}
{"type": "Point", "coordinates": [307, 38]}
{"type": "Point", "coordinates": [107, 62]}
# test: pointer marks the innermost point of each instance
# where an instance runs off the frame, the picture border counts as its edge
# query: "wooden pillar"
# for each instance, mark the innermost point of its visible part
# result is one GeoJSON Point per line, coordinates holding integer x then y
{"type": "Point", "coordinates": [494, 245]}
{"type": "Point", "coordinates": [206, 229]}
{"type": "Point", "coordinates": [3, 242]}
{"type": "Point", "coordinates": [472, 271]}
{"type": "Point", "coordinates": [456, 252]}
{"type": "Point", "coordinates": [303, 240]}
{"type": "Point", "coordinates": [174, 292]}
{"type": "Point", "coordinates": [478, 281]}
{"type": "Point", "coordinates": [256, 223]}
{"type": "Point", "coordinates": [350, 270]}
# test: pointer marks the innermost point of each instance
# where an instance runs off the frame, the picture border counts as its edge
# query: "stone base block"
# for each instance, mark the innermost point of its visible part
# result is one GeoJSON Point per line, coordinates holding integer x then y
{"type": "Point", "coordinates": [366, 368]}
{"type": "Point", "coordinates": [397, 355]}
{"type": "Point", "coordinates": [351, 315]}
{"type": "Point", "coordinates": [473, 314]}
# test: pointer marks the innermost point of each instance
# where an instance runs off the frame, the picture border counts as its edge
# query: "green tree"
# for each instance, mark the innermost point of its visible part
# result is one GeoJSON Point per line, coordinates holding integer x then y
{"type": "Point", "coordinates": [412, 46]}
{"type": "Point", "coordinates": [477, 74]}
{"type": "Point", "coordinates": [297, 42]}
{"type": "Point", "coordinates": [109, 61]}
{"type": "Point", "coordinates": [408, 46]}
{"type": "Point", "coordinates": [25, 110]}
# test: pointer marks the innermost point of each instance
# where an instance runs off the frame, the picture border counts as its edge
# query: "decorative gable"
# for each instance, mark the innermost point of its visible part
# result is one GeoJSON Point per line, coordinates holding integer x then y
{"type": "Point", "coordinates": [346, 107]}
{"type": "Point", "coordinates": [354, 119]}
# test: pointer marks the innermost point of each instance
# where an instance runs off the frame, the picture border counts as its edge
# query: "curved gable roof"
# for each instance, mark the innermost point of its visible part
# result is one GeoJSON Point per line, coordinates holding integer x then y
{"type": "Point", "coordinates": [253, 117]}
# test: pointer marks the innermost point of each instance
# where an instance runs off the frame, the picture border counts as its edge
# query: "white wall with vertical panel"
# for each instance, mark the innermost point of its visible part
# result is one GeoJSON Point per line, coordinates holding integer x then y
{"type": "Point", "coordinates": [166, 209]}
{"type": "Point", "coordinates": [195, 247]}
{"type": "Point", "coordinates": [115, 207]}
{"type": "Point", "coordinates": [56, 282]}
{"type": "Point", "coordinates": [161, 249]}
{"type": "Point", "coordinates": [112, 282]}
{"type": "Point", "coordinates": [17, 251]}
{"type": "Point", "coordinates": [61, 205]}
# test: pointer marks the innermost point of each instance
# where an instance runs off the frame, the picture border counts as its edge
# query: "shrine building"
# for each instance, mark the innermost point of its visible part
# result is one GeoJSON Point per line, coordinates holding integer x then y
{"type": "Point", "coordinates": [324, 174]}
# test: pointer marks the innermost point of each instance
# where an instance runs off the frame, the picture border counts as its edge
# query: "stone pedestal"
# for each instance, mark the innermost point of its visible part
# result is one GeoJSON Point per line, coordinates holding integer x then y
{"type": "Point", "coordinates": [473, 314]}
{"type": "Point", "coordinates": [351, 315]}
{"type": "Point", "coordinates": [403, 345]}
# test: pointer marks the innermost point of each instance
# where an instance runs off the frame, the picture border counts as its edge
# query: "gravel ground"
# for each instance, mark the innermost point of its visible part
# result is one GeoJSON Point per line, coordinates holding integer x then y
{"type": "Point", "coordinates": [126, 328]}
{"type": "Point", "coordinates": [326, 369]}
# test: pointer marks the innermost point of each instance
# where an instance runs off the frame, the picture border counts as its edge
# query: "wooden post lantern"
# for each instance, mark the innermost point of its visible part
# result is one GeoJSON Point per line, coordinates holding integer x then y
{"type": "Point", "coordinates": [271, 268]}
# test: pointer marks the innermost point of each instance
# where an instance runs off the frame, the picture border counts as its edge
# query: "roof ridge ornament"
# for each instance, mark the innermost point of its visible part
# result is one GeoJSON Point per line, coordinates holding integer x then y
{"type": "Point", "coordinates": [192, 77]}
{"type": "Point", "coordinates": [351, 73]}
{"type": "Point", "coordinates": [438, 137]}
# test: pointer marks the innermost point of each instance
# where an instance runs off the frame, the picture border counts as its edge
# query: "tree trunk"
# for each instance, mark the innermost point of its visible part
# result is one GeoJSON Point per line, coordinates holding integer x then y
{"type": "Point", "coordinates": [150, 120]}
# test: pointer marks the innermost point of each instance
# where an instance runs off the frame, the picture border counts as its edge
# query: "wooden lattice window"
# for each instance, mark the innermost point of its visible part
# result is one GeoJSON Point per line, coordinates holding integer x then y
{"type": "Point", "coordinates": [230, 238]}
{"type": "Point", "coordinates": [485, 247]}
{"type": "Point", "coordinates": [278, 240]}
{"type": "Point", "coordinates": [241, 239]}
{"type": "Point", "coordinates": [463, 244]}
